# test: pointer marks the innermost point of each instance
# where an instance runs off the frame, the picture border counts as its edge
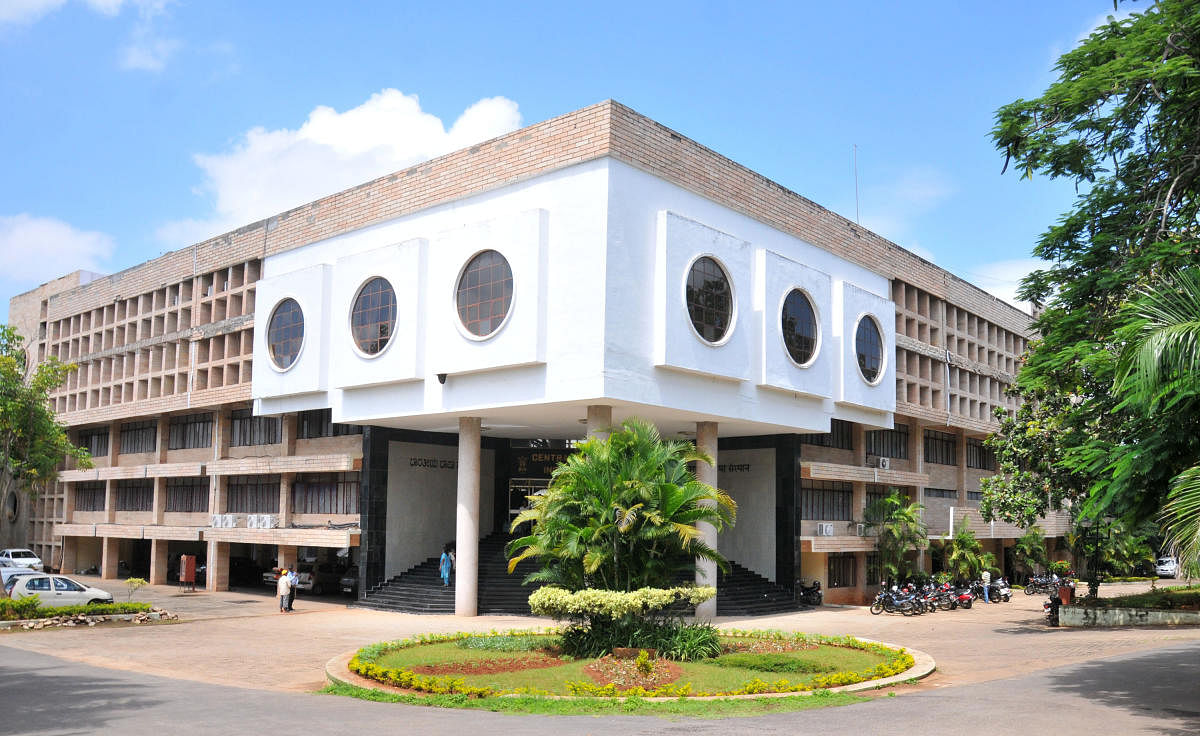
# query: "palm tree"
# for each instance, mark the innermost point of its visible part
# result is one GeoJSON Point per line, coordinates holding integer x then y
{"type": "Point", "coordinates": [899, 528]}
{"type": "Point", "coordinates": [1029, 550]}
{"type": "Point", "coordinates": [1158, 368]}
{"type": "Point", "coordinates": [966, 558]}
{"type": "Point", "coordinates": [622, 514]}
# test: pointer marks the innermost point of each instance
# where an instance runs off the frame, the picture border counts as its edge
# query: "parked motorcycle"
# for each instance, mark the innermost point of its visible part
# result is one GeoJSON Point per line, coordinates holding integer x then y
{"type": "Point", "coordinates": [810, 594]}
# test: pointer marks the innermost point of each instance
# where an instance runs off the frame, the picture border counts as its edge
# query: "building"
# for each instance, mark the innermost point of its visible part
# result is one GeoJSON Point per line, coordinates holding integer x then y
{"type": "Point", "coordinates": [398, 365]}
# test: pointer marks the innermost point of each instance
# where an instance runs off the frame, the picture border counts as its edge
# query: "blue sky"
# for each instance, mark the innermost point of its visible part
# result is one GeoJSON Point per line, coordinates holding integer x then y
{"type": "Point", "coordinates": [134, 127]}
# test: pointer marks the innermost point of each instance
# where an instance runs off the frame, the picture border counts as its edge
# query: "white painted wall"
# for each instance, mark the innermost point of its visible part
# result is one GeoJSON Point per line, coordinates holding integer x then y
{"type": "Point", "coordinates": [749, 477]}
{"type": "Point", "coordinates": [422, 482]}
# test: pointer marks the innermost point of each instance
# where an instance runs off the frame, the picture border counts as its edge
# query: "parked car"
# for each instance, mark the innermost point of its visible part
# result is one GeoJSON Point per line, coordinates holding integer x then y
{"type": "Point", "coordinates": [58, 590]}
{"type": "Point", "coordinates": [20, 558]}
{"type": "Point", "coordinates": [244, 571]}
{"type": "Point", "coordinates": [9, 575]}
{"type": "Point", "coordinates": [1167, 567]}
{"type": "Point", "coordinates": [315, 577]}
{"type": "Point", "coordinates": [349, 582]}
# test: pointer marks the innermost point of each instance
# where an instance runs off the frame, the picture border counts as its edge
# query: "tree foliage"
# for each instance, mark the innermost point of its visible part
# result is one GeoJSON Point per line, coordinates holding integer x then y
{"type": "Point", "coordinates": [966, 558]}
{"type": "Point", "coordinates": [622, 514]}
{"type": "Point", "coordinates": [898, 528]}
{"type": "Point", "coordinates": [1122, 122]}
{"type": "Point", "coordinates": [1029, 550]}
{"type": "Point", "coordinates": [32, 441]}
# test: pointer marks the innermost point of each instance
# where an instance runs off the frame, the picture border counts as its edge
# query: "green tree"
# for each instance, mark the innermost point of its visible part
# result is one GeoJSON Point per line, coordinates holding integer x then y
{"type": "Point", "coordinates": [1121, 122]}
{"type": "Point", "coordinates": [1158, 374]}
{"type": "Point", "coordinates": [32, 441]}
{"type": "Point", "coordinates": [966, 558]}
{"type": "Point", "coordinates": [899, 528]}
{"type": "Point", "coordinates": [1029, 550]}
{"type": "Point", "coordinates": [622, 514]}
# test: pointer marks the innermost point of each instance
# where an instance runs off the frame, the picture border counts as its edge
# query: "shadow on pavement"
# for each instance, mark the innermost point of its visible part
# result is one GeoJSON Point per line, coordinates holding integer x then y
{"type": "Point", "coordinates": [62, 704]}
{"type": "Point", "coordinates": [1163, 684]}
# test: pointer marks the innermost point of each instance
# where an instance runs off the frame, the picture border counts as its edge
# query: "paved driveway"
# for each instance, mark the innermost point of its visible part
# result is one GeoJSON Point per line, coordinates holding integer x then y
{"type": "Point", "coordinates": [240, 638]}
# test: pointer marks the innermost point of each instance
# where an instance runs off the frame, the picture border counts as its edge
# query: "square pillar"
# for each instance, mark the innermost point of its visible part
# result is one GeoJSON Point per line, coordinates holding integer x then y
{"type": "Point", "coordinates": [110, 551]}
{"type": "Point", "coordinates": [706, 570]}
{"type": "Point", "coordinates": [158, 562]}
{"type": "Point", "coordinates": [218, 492]}
{"type": "Point", "coordinates": [861, 584]}
{"type": "Point", "coordinates": [287, 556]}
{"type": "Point", "coordinates": [599, 421]}
{"type": "Point", "coordinates": [285, 499]}
{"type": "Point", "coordinates": [164, 437]}
{"type": "Point", "coordinates": [110, 501]}
{"type": "Point", "coordinates": [217, 571]}
{"type": "Point", "coordinates": [160, 500]}
{"type": "Point", "coordinates": [222, 434]}
{"type": "Point", "coordinates": [287, 433]}
{"type": "Point", "coordinates": [70, 547]}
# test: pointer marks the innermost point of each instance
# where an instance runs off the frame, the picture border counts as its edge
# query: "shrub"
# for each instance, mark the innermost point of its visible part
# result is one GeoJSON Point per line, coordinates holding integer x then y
{"type": "Point", "coordinates": [31, 608]}
{"type": "Point", "coordinates": [770, 662]}
{"type": "Point", "coordinates": [506, 643]}
{"type": "Point", "coordinates": [583, 605]}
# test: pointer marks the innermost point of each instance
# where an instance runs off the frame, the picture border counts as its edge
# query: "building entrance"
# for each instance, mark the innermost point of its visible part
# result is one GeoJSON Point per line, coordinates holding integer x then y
{"type": "Point", "coordinates": [519, 491]}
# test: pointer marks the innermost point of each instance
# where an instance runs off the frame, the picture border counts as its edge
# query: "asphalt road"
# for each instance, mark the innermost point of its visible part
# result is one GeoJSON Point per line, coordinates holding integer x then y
{"type": "Point", "coordinates": [1155, 692]}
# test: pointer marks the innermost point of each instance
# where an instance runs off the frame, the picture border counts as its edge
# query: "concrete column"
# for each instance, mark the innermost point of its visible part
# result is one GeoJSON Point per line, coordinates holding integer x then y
{"type": "Point", "coordinates": [70, 546]}
{"type": "Point", "coordinates": [466, 576]}
{"type": "Point", "coordinates": [114, 443]}
{"type": "Point", "coordinates": [961, 452]}
{"type": "Point", "coordinates": [158, 562]}
{"type": "Point", "coordinates": [110, 552]}
{"type": "Point", "coordinates": [287, 556]}
{"type": "Point", "coordinates": [706, 571]}
{"type": "Point", "coordinates": [599, 420]}
{"type": "Point", "coordinates": [217, 572]}
{"type": "Point", "coordinates": [285, 498]}
{"type": "Point", "coordinates": [861, 584]}
{"type": "Point", "coordinates": [110, 501]}
{"type": "Point", "coordinates": [287, 433]}
{"type": "Point", "coordinates": [218, 492]}
{"type": "Point", "coordinates": [163, 438]}
{"type": "Point", "coordinates": [916, 459]}
{"type": "Point", "coordinates": [858, 437]}
{"type": "Point", "coordinates": [69, 502]}
{"type": "Point", "coordinates": [160, 500]}
{"type": "Point", "coordinates": [222, 433]}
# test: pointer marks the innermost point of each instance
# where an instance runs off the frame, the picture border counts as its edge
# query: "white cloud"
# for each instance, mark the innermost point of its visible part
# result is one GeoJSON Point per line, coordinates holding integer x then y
{"type": "Point", "coordinates": [268, 171]}
{"type": "Point", "coordinates": [105, 7]}
{"type": "Point", "coordinates": [893, 209]}
{"type": "Point", "coordinates": [147, 50]}
{"type": "Point", "coordinates": [1003, 278]}
{"type": "Point", "coordinates": [26, 11]}
{"type": "Point", "coordinates": [37, 249]}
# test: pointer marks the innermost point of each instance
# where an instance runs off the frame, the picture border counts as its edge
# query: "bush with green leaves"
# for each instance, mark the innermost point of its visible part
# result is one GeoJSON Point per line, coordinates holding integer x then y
{"type": "Point", "coordinates": [771, 662]}
{"type": "Point", "coordinates": [506, 643]}
{"type": "Point", "coordinates": [31, 608]}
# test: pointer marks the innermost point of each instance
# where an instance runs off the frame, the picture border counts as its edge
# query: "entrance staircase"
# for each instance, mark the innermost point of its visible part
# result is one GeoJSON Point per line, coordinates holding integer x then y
{"type": "Point", "coordinates": [420, 590]}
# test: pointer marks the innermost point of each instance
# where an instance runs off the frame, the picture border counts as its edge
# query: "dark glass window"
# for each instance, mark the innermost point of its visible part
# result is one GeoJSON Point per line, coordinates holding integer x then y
{"type": "Point", "coordinates": [980, 455]}
{"type": "Point", "coordinates": [941, 448]}
{"type": "Point", "coordinates": [799, 327]}
{"type": "Point", "coordinates": [874, 569]}
{"type": "Point", "coordinates": [843, 568]}
{"type": "Point", "coordinates": [975, 496]}
{"type": "Point", "coordinates": [89, 496]}
{"type": "Point", "coordinates": [875, 493]}
{"type": "Point", "coordinates": [187, 495]}
{"type": "Point", "coordinates": [941, 493]}
{"type": "Point", "coordinates": [485, 292]}
{"type": "Point", "coordinates": [190, 431]}
{"type": "Point", "coordinates": [247, 429]}
{"type": "Point", "coordinates": [319, 423]}
{"type": "Point", "coordinates": [839, 437]}
{"type": "Point", "coordinates": [374, 316]}
{"type": "Point", "coordinates": [325, 493]}
{"type": "Point", "coordinates": [139, 437]}
{"type": "Point", "coordinates": [709, 299]}
{"type": "Point", "coordinates": [825, 500]}
{"type": "Point", "coordinates": [889, 442]}
{"type": "Point", "coordinates": [253, 494]}
{"type": "Point", "coordinates": [868, 343]}
{"type": "Point", "coordinates": [285, 333]}
{"type": "Point", "coordinates": [95, 441]}
{"type": "Point", "coordinates": [135, 495]}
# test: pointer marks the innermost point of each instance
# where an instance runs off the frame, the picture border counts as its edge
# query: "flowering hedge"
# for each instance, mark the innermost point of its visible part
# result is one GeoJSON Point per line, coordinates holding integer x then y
{"type": "Point", "coordinates": [614, 604]}
{"type": "Point", "coordinates": [365, 661]}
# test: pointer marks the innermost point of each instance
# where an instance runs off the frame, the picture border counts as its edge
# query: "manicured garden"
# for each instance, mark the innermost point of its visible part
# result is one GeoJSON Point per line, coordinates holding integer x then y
{"type": "Point", "coordinates": [1182, 598]}
{"type": "Point", "coordinates": [31, 608]}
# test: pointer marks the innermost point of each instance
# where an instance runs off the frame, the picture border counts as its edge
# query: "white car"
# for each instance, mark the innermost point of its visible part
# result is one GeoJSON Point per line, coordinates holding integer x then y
{"type": "Point", "coordinates": [58, 590]}
{"type": "Point", "coordinates": [1167, 567]}
{"type": "Point", "coordinates": [20, 558]}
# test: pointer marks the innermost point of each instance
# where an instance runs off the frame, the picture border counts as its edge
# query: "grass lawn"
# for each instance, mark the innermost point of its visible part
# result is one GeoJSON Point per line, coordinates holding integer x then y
{"type": "Point", "coordinates": [1163, 598]}
{"type": "Point", "coordinates": [606, 706]}
{"type": "Point", "coordinates": [703, 676]}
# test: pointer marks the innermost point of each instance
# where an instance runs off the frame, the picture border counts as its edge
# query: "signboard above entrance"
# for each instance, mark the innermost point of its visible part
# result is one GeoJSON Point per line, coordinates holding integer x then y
{"type": "Point", "coordinates": [536, 462]}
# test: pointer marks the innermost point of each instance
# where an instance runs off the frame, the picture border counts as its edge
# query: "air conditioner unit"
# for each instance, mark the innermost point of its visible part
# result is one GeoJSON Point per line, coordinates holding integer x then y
{"type": "Point", "coordinates": [860, 530]}
{"type": "Point", "coordinates": [217, 521]}
{"type": "Point", "coordinates": [252, 521]}
{"type": "Point", "coordinates": [824, 530]}
{"type": "Point", "coordinates": [268, 521]}
{"type": "Point", "coordinates": [883, 462]}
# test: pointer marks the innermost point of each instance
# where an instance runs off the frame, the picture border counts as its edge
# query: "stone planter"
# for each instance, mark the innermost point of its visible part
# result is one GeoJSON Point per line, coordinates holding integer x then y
{"type": "Point", "coordinates": [1085, 616]}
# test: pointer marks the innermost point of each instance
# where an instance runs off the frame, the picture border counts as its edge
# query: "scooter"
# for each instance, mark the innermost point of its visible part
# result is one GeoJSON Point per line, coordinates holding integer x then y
{"type": "Point", "coordinates": [810, 595]}
{"type": "Point", "coordinates": [1001, 590]}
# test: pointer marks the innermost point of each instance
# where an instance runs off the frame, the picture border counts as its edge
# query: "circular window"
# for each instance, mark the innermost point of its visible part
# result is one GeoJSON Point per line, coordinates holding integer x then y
{"type": "Point", "coordinates": [374, 316]}
{"type": "Point", "coordinates": [709, 299]}
{"type": "Point", "coordinates": [799, 322]}
{"type": "Point", "coordinates": [868, 343]}
{"type": "Point", "coordinates": [485, 291]}
{"type": "Point", "coordinates": [285, 333]}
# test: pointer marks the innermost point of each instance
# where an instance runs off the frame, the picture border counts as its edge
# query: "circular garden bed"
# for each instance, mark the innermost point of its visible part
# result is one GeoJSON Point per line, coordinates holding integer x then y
{"type": "Point", "coordinates": [532, 663]}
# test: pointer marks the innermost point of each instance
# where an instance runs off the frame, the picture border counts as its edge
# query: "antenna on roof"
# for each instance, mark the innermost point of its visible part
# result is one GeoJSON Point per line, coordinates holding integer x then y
{"type": "Point", "coordinates": [857, 218]}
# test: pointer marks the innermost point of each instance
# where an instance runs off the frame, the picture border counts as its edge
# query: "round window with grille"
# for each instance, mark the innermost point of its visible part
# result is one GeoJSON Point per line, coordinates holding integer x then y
{"type": "Point", "coordinates": [799, 324]}
{"type": "Point", "coordinates": [868, 343]}
{"type": "Point", "coordinates": [485, 292]}
{"type": "Point", "coordinates": [285, 333]}
{"type": "Point", "coordinates": [373, 317]}
{"type": "Point", "coordinates": [709, 299]}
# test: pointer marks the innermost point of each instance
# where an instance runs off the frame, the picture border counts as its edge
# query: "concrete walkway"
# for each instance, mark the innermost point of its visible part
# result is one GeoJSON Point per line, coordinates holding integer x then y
{"type": "Point", "coordinates": [239, 638]}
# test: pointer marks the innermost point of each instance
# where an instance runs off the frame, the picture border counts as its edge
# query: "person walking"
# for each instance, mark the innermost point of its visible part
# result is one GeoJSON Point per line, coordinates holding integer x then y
{"type": "Point", "coordinates": [293, 584]}
{"type": "Point", "coordinates": [445, 565]}
{"type": "Point", "coordinates": [987, 582]}
{"type": "Point", "coordinates": [283, 587]}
